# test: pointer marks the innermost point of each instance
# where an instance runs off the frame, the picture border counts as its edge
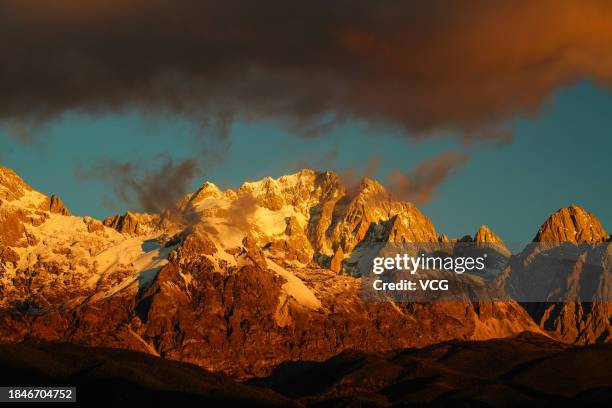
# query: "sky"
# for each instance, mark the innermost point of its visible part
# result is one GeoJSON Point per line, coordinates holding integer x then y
{"type": "Point", "coordinates": [493, 113]}
{"type": "Point", "coordinates": [560, 157]}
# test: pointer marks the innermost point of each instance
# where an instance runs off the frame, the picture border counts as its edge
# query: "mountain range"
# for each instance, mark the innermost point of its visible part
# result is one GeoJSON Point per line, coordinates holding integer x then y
{"type": "Point", "coordinates": [526, 370]}
{"type": "Point", "coordinates": [242, 281]}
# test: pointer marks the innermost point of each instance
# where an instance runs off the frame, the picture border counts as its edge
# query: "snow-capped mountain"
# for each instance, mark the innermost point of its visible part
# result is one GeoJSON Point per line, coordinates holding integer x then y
{"type": "Point", "coordinates": [236, 281]}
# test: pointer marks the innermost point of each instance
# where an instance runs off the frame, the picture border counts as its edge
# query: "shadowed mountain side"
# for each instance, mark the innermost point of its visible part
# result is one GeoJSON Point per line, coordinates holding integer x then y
{"type": "Point", "coordinates": [104, 375]}
{"type": "Point", "coordinates": [527, 370]}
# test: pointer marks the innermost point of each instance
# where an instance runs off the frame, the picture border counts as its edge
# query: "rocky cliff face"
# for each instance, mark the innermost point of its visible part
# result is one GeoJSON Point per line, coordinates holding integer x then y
{"type": "Point", "coordinates": [571, 224]}
{"type": "Point", "coordinates": [309, 217]}
{"type": "Point", "coordinates": [133, 223]}
{"type": "Point", "coordinates": [565, 276]}
{"type": "Point", "coordinates": [239, 280]}
{"type": "Point", "coordinates": [490, 244]}
{"type": "Point", "coordinates": [20, 205]}
{"type": "Point", "coordinates": [56, 206]}
{"type": "Point", "coordinates": [486, 235]}
{"type": "Point", "coordinates": [12, 187]}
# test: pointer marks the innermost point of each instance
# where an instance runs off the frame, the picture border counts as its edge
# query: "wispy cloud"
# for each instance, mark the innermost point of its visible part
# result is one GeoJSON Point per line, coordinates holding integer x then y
{"type": "Point", "coordinates": [146, 190]}
{"type": "Point", "coordinates": [351, 177]}
{"type": "Point", "coordinates": [420, 184]}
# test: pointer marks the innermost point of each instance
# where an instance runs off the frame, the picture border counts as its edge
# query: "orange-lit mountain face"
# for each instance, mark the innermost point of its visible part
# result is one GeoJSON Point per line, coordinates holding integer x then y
{"type": "Point", "coordinates": [240, 281]}
{"type": "Point", "coordinates": [573, 313]}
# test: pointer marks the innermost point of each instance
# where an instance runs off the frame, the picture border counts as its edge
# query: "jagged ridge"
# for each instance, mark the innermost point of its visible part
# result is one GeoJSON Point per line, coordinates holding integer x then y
{"type": "Point", "coordinates": [248, 273]}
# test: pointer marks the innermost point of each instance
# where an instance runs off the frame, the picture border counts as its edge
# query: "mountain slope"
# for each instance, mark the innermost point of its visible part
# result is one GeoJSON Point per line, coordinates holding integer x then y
{"type": "Point", "coordinates": [565, 276]}
{"type": "Point", "coordinates": [528, 370]}
{"type": "Point", "coordinates": [525, 370]}
{"type": "Point", "coordinates": [103, 375]}
{"type": "Point", "coordinates": [235, 281]}
{"type": "Point", "coordinates": [571, 224]}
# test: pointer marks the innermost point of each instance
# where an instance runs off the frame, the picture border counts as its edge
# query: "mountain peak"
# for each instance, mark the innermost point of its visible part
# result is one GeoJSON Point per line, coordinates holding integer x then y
{"type": "Point", "coordinates": [288, 180]}
{"type": "Point", "coordinates": [486, 235]}
{"type": "Point", "coordinates": [133, 223]}
{"type": "Point", "coordinates": [207, 190]}
{"type": "Point", "coordinates": [208, 186]}
{"type": "Point", "coordinates": [301, 174]}
{"type": "Point", "coordinates": [57, 206]}
{"type": "Point", "coordinates": [12, 187]}
{"type": "Point", "coordinates": [571, 224]}
{"type": "Point", "coordinates": [368, 184]}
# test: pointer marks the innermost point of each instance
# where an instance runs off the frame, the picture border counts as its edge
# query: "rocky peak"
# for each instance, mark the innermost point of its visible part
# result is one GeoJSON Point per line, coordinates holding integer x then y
{"type": "Point", "coordinates": [367, 211]}
{"type": "Point", "coordinates": [57, 207]}
{"type": "Point", "coordinates": [304, 176]}
{"type": "Point", "coordinates": [267, 192]}
{"type": "Point", "coordinates": [486, 235]}
{"type": "Point", "coordinates": [494, 245]}
{"type": "Point", "coordinates": [403, 227]}
{"type": "Point", "coordinates": [323, 214]}
{"type": "Point", "coordinates": [369, 186]}
{"type": "Point", "coordinates": [12, 187]}
{"type": "Point", "coordinates": [207, 190]}
{"type": "Point", "coordinates": [571, 224]}
{"type": "Point", "coordinates": [327, 182]}
{"type": "Point", "coordinates": [133, 223]}
{"type": "Point", "coordinates": [297, 190]}
{"type": "Point", "coordinates": [218, 284]}
{"type": "Point", "coordinates": [20, 206]}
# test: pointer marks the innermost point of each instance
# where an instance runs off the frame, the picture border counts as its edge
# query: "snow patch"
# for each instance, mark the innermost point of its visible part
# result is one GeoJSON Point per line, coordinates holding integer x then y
{"type": "Point", "coordinates": [295, 287]}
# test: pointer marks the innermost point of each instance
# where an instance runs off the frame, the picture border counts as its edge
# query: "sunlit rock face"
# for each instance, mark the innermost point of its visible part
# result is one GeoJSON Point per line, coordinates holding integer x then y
{"type": "Point", "coordinates": [236, 280]}
{"type": "Point", "coordinates": [566, 275]}
{"type": "Point", "coordinates": [571, 224]}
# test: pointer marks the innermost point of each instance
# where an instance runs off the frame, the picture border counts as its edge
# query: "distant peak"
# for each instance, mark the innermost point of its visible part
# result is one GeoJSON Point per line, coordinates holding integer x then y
{"type": "Point", "coordinates": [571, 224]}
{"type": "Point", "coordinates": [485, 234]}
{"type": "Point", "coordinates": [368, 185]}
{"type": "Point", "coordinates": [287, 179]}
{"type": "Point", "coordinates": [57, 206]}
{"type": "Point", "coordinates": [265, 184]}
{"type": "Point", "coordinates": [208, 186]}
{"type": "Point", "coordinates": [369, 182]}
{"type": "Point", "coordinates": [301, 173]}
{"type": "Point", "coordinates": [133, 223]}
{"type": "Point", "coordinates": [206, 190]}
{"type": "Point", "coordinates": [443, 239]}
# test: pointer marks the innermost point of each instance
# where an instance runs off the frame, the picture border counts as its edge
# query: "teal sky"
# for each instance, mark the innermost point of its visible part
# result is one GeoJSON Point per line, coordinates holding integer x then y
{"type": "Point", "coordinates": [559, 157]}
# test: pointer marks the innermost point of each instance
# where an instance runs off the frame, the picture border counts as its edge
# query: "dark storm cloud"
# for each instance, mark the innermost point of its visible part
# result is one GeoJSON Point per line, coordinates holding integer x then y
{"type": "Point", "coordinates": [422, 66]}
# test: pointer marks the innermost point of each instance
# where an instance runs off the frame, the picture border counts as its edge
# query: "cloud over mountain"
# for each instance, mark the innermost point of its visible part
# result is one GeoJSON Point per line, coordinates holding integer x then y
{"type": "Point", "coordinates": [443, 65]}
{"type": "Point", "coordinates": [421, 183]}
{"type": "Point", "coordinates": [148, 190]}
